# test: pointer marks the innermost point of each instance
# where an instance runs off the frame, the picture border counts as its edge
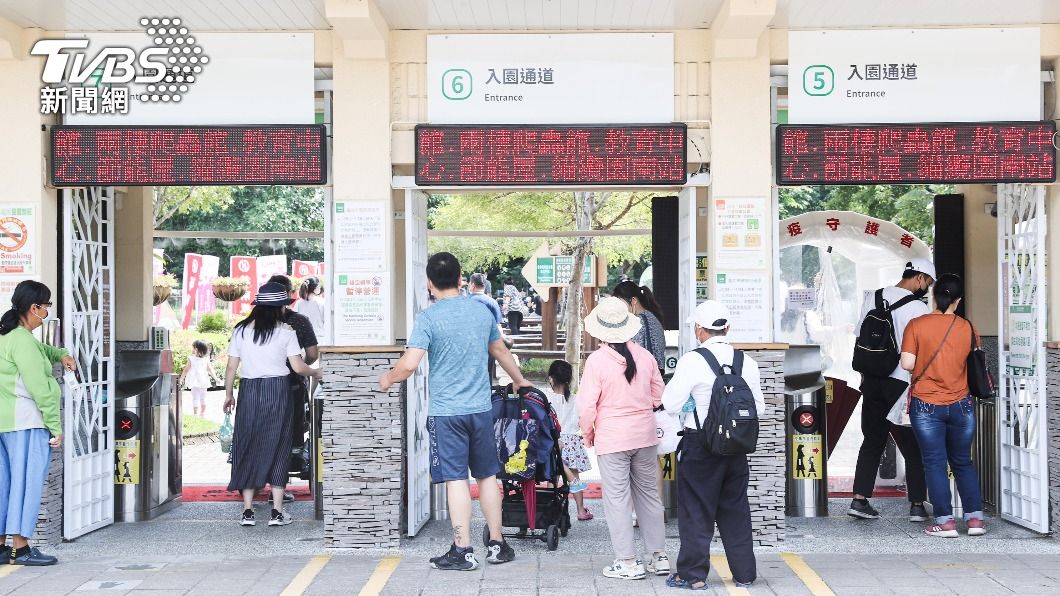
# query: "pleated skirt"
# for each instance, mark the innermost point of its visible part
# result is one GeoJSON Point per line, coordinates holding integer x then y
{"type": "Point", "coordinates": [261, 444]}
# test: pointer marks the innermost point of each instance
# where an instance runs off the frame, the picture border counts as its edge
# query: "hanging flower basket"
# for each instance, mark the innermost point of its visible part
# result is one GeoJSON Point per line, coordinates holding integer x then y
{"type": "Point", "coordinates": [161, 287]}
{"type": "Point", "coordinates": [160, 294]}
{"type": "Point", "coordinates": [229, 289]}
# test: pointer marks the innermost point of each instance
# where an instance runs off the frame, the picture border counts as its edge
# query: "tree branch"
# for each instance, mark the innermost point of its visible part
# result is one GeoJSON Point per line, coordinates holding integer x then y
{"type": "Point", "coordinates": [179, 203]}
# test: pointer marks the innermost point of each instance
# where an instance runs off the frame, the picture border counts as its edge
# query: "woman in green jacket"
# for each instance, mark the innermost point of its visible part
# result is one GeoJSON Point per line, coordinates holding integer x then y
{"type": "Point", "coordinates": [29, 420]}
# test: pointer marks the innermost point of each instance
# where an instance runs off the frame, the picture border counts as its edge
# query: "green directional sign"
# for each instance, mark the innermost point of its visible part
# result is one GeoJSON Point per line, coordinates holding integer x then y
{"type": "Point", "coordinates": [558, 270]}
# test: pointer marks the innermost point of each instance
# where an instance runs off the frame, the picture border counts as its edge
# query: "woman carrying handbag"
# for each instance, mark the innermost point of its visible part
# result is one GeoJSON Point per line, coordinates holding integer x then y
{"type": "Point", "coordinates": [937, 349]}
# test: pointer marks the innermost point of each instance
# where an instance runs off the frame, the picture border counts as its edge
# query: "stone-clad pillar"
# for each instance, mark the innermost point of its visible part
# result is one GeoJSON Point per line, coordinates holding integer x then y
{"type": "Point", "coordinates": [363, 434]}
{"type": "Point", "coordinates": [1052, 399]}
{"type": "Point", "coordinates": [766, 491]}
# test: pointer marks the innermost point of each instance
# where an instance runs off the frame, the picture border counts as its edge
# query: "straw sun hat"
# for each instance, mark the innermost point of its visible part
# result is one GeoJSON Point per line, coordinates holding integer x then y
{"type": "Point", "coordinates": [611, 321]}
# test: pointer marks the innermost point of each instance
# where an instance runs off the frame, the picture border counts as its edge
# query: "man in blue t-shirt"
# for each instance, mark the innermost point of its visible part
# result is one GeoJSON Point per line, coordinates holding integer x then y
{"type": "Point", "coordinates": [458, 336]}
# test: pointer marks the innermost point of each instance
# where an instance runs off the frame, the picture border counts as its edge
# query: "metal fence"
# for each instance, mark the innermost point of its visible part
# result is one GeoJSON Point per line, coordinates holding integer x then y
{"type": "Point", "coordinates": [984, 450]}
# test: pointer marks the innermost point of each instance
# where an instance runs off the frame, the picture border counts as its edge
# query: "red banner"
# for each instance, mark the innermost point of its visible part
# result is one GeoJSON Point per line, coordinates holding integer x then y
{"type": "Point", "coordinates": [192, 278]}
{"type": "Point", "coordinates": [244, 268]}
{"type": "Point", "coordinates": [304, 269]}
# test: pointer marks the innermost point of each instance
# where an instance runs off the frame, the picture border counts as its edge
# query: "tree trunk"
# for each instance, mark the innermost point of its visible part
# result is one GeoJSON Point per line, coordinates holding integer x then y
{"type": "Point", "coordinates": [586, 204]}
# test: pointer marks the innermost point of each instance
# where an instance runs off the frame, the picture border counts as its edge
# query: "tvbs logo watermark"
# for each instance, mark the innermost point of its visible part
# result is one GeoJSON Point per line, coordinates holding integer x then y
{"type": "Point", "coordinates": [77, 82]}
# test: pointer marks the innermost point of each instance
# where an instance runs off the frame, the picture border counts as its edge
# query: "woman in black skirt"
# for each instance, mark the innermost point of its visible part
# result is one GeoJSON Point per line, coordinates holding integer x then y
{"type": "Point", "coordinates": [261, 447]}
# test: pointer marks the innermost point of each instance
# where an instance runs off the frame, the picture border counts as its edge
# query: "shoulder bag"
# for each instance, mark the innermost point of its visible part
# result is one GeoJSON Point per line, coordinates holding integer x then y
{"type": "Point", "coordinates": [980, 381]}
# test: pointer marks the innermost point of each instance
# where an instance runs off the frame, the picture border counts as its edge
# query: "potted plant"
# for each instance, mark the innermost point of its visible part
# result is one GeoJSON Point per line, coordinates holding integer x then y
{"type": "Point", "coordinates": [229, 289]}
{"type": "Point", "coordinates": [162, 286]}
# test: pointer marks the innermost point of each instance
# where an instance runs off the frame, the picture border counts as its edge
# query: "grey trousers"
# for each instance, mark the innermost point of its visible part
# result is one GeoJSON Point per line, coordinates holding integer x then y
{"type": "Point", "coordinates": [629, 484]}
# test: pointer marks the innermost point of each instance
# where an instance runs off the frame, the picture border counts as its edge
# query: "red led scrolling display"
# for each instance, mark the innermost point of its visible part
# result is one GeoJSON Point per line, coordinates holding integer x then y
{"type": "Point", "coordinates": [916, 153]}
{"type": "Point", "coordinates": [188, 155]}
{"type": "Point", "coordinates": [456, 155]}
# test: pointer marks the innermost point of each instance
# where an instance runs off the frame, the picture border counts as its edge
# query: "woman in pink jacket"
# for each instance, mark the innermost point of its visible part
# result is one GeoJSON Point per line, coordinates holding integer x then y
{"type": "Point", "coordinates": [620, 387]}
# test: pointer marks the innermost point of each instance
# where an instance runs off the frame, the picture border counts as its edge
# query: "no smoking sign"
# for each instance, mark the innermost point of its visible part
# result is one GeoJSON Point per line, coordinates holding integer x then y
{"type": "Point", "coordinates": [13, 234]}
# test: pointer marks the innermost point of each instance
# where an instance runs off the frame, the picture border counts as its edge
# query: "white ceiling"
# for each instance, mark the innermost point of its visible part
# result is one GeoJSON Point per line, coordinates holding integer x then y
{"type": "Point", "coordinates": [524, 15]}
{"type": "Point", "coordinates": [521, 15]}
{"type": "Point", "coordinates": [852, 14]}
{"type": "Point", "coordinates": [197, 15]}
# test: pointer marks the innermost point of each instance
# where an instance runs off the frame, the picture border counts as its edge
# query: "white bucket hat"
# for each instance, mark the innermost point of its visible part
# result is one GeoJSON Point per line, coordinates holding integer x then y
{"type": "Point", "coordinates": [611, 321]}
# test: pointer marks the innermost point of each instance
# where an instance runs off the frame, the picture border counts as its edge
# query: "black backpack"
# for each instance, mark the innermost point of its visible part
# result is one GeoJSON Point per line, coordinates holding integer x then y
{"type": "Point", "coordinates": [732, 419]}
{"type": "Point", "coordinates": [876, 348]}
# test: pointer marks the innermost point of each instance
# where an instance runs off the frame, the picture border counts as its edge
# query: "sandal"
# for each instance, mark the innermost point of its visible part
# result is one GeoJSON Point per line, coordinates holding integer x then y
{"type": "Point", "coordinates": [673, 581]}
{"type": "Point", "coordinates": [585, 514]}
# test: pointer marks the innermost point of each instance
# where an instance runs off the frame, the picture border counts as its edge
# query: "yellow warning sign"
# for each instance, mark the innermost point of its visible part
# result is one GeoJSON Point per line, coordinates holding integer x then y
{"type": "Point", "coordinates": [829, 391]}
{"type": "Point", "coordinates": [807, 454]}
{"type": "Point", "coordinates": [127, 461]}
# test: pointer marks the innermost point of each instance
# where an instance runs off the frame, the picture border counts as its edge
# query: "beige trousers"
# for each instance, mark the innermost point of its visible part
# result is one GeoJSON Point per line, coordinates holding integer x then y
{"type": "Point", "coordinates": [629, 484]}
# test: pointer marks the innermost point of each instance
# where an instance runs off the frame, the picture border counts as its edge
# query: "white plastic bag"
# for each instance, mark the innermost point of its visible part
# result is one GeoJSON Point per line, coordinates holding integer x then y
{"type": "Point", "coordinates": [667, 425]}
{"type": "Point", "coordinates": [899, 413]}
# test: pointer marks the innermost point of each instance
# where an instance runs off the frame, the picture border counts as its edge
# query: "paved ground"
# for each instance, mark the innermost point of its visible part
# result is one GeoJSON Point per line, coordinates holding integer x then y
{"type": "Point", "coordinates": [199, 549]}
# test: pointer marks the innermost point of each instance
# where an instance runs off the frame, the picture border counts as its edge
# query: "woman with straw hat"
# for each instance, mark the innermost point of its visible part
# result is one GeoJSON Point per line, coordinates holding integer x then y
{"type": "Point", "coordinates": [619, 391]}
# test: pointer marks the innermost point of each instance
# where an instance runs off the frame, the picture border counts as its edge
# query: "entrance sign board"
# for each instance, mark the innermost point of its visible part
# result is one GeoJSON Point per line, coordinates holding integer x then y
{"type": "Point", "coordinates": [530, 155]}
{"type": "Point", "coordinates": [990, 152]}
{"type": "Point", "coordinates": [188, 155]}
{"type": "Point", "coordinates": [914, 75]}
{"type": "Point", "coordinates": [550, 78]}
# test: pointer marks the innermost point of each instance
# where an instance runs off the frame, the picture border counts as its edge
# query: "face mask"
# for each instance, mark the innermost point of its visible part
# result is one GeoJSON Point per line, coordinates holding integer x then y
{"type": "Point", "coordinates": [44, 319]}
{"type": "Point", "coordinates": [921, 292]}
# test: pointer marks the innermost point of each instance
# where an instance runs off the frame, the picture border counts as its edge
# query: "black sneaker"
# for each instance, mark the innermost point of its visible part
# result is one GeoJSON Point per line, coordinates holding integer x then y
{"type": "Point", "coordinates": [34, 558]}
{"type": "Point", "coordinates": [248, 518]}
{"type": "Point", "coordinates": [457, 559]}
{"type": "Point", "coordinates": [280, 518]}
{"type": "Point", "coordinates": [288, 497]}
{"type": "Point", "coordinates": [917, 513]}
{"type": "Point", "coordinates": [860, 508]}
{"type": "Point", "coordinates": [5, 554]}
{"type": "Point", "coordinates": [499, 552]}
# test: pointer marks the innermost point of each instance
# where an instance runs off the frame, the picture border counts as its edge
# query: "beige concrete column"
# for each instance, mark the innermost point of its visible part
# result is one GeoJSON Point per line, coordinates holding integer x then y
{"type": "Point", "coordinates": [133, 241]}
{"type": "Point", "coordinates": [740, 124]}
{"type": "Point", "coordinates": [361, 119]}
{"type": "Point", "coordinates": [980, 253]}
{"type": "Point", "coordinates": [23, 150]}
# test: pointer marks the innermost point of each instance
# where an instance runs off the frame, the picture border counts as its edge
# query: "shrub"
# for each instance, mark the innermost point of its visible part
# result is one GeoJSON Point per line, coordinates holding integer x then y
{"type": "Point", "coordinates": [214, 322]}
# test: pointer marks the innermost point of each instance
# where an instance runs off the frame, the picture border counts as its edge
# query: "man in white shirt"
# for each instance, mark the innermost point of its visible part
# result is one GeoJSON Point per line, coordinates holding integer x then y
{"type": "Point", "coordinates": [711, 488]}
{"type": "Point", "coordinates": [879, 395]}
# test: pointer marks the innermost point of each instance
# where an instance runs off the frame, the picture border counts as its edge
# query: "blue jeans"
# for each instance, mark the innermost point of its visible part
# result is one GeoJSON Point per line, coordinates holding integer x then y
{"type": "Point", "coordinates": [945, 436]}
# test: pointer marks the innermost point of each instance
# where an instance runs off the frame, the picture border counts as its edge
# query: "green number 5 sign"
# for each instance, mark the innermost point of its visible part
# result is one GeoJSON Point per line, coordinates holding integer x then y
{"type": "Point", "coordinates": [818, 80]}
{"type": "Point", "coordinates": [456, 84]}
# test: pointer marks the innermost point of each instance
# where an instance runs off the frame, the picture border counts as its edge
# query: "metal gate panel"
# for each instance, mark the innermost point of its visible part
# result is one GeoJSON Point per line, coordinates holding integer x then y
{"type": "Point", "coordinates": [88, 279]}
{"type": "Point", "coordinates": [417, 443]}
{"type": "Point", "coordinates": [1021, 406]}
{"type": "Point", "coordinates": [686, 267]}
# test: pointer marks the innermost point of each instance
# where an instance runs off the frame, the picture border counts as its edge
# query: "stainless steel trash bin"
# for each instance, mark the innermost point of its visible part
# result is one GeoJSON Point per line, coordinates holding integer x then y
{"type": "Point", "coordinates": [148, 441]}
{"type": "Point", "coordinates": [806, 419]}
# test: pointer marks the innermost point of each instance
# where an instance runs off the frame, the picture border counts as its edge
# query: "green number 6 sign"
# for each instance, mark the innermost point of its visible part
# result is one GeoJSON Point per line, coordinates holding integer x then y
{"type": "Point", "coordinates": [456, 84]}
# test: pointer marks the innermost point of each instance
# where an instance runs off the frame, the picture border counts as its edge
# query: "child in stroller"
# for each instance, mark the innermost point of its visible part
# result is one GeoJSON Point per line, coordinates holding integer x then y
{"type": "Point", "coordinates": [528, 447]}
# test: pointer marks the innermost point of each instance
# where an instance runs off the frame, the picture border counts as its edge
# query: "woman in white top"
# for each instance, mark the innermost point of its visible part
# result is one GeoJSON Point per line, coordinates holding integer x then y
{"type": "Point", "coordinates": [310, 305]}
{"type": "Point", "coordinates": [575, 457]}
{"type": "Point", "coordinates": [261, 447]}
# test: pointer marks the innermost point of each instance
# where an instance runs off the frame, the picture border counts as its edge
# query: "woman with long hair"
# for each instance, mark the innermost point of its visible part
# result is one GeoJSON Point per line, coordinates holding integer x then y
{"type": "Point", "coordinates": [30, 426]}
{"type": "Point", "coordinates": [619, 391]}
{"type": "Point", "coordinates": [262, 345]}
{"type": "Point", "coordinates": [935, 350]}
{"type": "Point", "coordinates": [642, 303]}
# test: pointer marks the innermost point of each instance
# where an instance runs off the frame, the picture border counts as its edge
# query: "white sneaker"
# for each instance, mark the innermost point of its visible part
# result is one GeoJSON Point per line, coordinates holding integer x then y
{"type": "Point", "coordinates": [659, 564]}
{"type": "Point", "coordinates": [622, 570]}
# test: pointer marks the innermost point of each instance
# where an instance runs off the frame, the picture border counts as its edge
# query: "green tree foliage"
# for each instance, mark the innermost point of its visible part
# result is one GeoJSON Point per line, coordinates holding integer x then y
{"type": "Point", "coordinates": [173, 200]}
{"type": "Point", "coordinates": [526, 211]}
{"type": "Point", "coordinates": [251, 209]}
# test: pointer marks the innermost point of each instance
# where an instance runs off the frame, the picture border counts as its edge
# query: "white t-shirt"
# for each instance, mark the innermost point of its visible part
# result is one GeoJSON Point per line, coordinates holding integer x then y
{"type": "Point", "coordinates": [199, 375]}
{"type": "Point", "coordinates": [566, 411]}
{"type": "Point", "coordinates": [901, 318]}
{"type": "Point", "coordinates": [264, 360]}
{"type": "Point", "coordinates": [313, 311]}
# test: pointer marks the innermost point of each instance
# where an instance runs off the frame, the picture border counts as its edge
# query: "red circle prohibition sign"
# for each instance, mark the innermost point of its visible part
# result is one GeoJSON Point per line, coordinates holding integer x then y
{"type": "Point", "coordinates": [806, 419]}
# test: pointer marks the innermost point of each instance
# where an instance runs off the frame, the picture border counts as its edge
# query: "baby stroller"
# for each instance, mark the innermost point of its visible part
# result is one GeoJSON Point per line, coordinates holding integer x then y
{"type": "Point", "coordinates": [527, 433]}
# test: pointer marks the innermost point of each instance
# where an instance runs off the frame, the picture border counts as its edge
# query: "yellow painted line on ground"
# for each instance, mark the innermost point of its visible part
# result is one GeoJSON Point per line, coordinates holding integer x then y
{"type": "Point", "coordinates": [721, 565]}
{"type": "Point", "coordinates": [305, 577]}
{"type": "Point", "coordinates": [7, 570]}
{"type": "Point", "coordinates": [809, 577]}
{"type": "Point", "coordinates": [380, 576]}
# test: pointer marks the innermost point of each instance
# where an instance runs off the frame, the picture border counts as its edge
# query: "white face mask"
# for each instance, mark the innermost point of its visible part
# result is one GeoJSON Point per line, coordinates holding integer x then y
{"type": "Point", "coordinates": [47, 318]}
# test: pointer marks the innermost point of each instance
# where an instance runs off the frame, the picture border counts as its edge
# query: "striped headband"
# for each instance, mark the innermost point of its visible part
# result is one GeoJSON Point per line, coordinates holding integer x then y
{"type": "Point", "coordinates": [272, 297]}
{"type": "Point", "coordinates": [617, 325]}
